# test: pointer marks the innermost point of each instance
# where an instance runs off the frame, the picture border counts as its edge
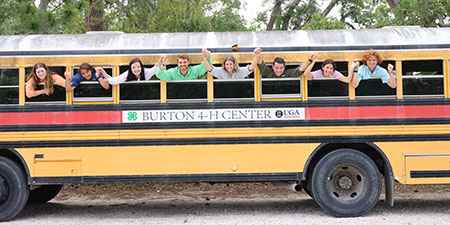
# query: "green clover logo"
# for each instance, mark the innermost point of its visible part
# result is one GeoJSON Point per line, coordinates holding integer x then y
{"type": "Point", "coordinates": [132, 116]}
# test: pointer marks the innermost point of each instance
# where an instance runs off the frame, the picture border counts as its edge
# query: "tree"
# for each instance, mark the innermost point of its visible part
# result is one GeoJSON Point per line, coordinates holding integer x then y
{"type": "Point", "coordinates": [297, 14]}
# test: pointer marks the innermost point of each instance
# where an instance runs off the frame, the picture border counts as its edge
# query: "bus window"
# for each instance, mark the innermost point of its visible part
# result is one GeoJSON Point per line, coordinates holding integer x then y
{"type": "Point", "coordinates": [234, 89]}
{"type": "Point", "coordinates": [328, 87]}
{"type": "Point", "coordinates": [281, 87]}
{"type": "Point", "coordinates": [91, 90]}
{"type": "Point", "coordinates": [143, 90]}
{"type": "Point", "coordinates": [423, 78]}
{"type": "Point", "coordinates": [187, 89]}
{"type": "Point", "coordinates": [374, 87]}
{"type": "Point", "coordinates": [9, 86]}
{"type": "Point", "coordinates": [59, 93]}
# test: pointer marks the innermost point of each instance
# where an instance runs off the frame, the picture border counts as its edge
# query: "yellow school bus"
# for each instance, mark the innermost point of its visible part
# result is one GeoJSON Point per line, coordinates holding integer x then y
{"type": "Point", "coordinates": [334, 141]}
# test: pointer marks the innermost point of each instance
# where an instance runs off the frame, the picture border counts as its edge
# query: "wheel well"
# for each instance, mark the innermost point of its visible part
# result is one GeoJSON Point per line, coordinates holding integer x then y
{"type": "Point", "coordinates": [13, 155]}
{"type": "Point", "coordinates": [369, 149]}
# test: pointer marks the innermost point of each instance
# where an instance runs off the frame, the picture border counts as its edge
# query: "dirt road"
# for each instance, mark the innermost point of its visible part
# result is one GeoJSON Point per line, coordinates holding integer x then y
{"type": "Point", "coordinates": [251, 203]}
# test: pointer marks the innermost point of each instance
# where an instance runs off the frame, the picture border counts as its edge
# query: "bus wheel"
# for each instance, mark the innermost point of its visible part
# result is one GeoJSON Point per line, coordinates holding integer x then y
{"type": "Point", "coordinates": [13, 189]}
{"type": "Point", "coordinates": [346, 183]}
{"type": "Point", "coordinates": [44, 193]}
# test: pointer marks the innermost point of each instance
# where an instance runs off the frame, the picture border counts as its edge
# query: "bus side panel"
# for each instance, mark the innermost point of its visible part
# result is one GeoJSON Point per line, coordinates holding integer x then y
{"type": "Point", "coordinates": [419, 162]}
{"type": "Point", "coordinates": [160, 160]}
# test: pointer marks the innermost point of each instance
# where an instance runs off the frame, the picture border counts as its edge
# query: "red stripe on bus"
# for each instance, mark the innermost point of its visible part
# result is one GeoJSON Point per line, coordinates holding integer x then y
{"type": "Point", "coordinates": [378, 112]}
{"type": "Point", "coordinates": [82, 117]}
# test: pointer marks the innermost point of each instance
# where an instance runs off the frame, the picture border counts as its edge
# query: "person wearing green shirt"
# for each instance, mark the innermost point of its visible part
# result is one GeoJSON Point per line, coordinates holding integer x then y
{"type": "Point", "coordinates": [278, 68]}
{"type": "Point", "coordinates": [184, 71]}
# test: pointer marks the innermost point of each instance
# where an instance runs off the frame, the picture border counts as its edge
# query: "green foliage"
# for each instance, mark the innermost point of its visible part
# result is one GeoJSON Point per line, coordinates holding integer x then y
{"type": "Point", "coordinates": [319, 22]}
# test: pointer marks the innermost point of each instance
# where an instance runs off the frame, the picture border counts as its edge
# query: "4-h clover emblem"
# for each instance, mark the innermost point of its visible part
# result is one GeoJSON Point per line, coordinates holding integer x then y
{"type": "Point", "coordinates": [132, 116]}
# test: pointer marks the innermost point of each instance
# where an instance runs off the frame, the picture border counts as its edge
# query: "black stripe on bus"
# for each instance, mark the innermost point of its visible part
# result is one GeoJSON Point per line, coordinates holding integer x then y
{"type": "Point", "coordinates": [228, 124]}
{"type": "Point", "coordinates": [221, 105]}
{"type": "Point", "coordinates": [222, 50]}
{"type": "Point", "coordinates": [430, 174]}
{"type": "Point", "coordinates": [225, 141]}
{"type": "Point", "coordinates": [230, 177]}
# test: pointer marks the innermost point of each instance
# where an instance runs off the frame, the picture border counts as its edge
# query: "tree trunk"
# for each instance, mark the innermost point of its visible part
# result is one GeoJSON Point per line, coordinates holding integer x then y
{"type": "Point", "coordinates": [43, 6]}
{"type": "Point", "coordinates": [288, 15]}
{"type": "Point", "coordinates": [329, 7]}
{"type": "Point", "coordinates": [392, 3]}
{"type": "Point", "coordinates": [275, 11]}
{"type": "Point", "coordinates": [94, 20]}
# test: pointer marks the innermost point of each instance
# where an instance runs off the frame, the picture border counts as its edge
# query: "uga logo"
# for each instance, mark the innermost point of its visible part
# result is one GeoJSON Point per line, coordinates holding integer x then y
{"type": "Point", "coordinates": [279, 113]}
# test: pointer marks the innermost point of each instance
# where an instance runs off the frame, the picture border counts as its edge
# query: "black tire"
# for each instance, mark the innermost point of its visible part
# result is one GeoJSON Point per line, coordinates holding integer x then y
{"type": "Point", "coordinates": [44, 193]}
{"type": "Point", "coordinates": [346, 183]}
{"type": "Point", "coordinates": [13, 189]}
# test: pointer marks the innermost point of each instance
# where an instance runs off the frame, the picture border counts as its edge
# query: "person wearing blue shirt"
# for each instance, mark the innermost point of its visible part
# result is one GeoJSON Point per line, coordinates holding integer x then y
{"type": "Point", "coordinates": [371, 68]}
{"type": "Point", "coordinates": [86, 73]}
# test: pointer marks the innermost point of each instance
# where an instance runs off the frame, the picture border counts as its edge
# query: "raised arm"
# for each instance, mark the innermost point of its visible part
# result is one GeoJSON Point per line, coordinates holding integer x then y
{"type": "Point", "coordinates": [162, 69]}
{"type": "Point", "coordinates": [256, 57]}
{"type": "Point", "coordinates": [259, 55]}
{"type": "Point", "coordinates": [354, 77]}
{"type": "Point", "coordinates": [307, 63]}
{"type": "Point", "coordinates": [99, 72]}
{"type": "Point", "coordinates": [206, 55]}
{"type": "Point", "coordinates": [392, 80]}
{"type": "Point", "coordinates": [68, 84]}
{"type": "Point", "coordinates": [308, 69]}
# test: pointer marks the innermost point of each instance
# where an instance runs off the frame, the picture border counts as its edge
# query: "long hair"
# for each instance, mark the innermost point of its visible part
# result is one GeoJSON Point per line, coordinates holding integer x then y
{"type": "Point", "coordinates": [232, 59]}
{"type": "Point", "coordinates": [48, 81]}
{"type": "Point", "coordinates": [131, 76]}
{"type": "Point", "coordinates": [328, 61]}
{"type": "Point", "coordinates": [371, 53]}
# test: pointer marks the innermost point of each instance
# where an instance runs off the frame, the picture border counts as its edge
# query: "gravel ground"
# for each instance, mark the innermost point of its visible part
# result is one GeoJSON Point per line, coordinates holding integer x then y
{"type": "Point", "coordinates": [240, 203]}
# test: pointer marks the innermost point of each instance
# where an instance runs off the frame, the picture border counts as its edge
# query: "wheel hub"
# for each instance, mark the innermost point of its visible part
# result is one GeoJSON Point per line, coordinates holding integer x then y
{"type": "Point", "coordinates": [345, 182]}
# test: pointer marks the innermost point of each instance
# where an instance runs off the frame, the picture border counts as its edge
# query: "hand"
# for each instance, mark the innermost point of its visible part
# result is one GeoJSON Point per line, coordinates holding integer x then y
{"type": "Point", "coordinates": [313, 58]}
{"type": "Point", "coordinates": [68, 75]}
{"type": "Point", "coordinates": [206, 53]}
{"type": "Point", "coordinates": [98, 70]}
{"type": "Point", "coordinates": [46, 91]}
{"type": "Point", "coordinates": [390, 67]}
{"type": "Point", "coordinates": [164, 60]}
{"type": "Point", "coordinates": [257, 52]}
{"type": "Point", "coordinates": [355, 64]}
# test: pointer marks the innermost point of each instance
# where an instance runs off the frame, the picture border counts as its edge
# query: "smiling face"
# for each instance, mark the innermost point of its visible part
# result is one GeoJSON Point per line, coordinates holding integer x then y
{"type": "Point", "coordinates": [278, 68]}
{"type": "Point", "coordinates": [87, 74]}
{"type": "Point", "coordinates": [372, 62]}
{"type": "Point", "coordinates": [41, 73]}
{"type": "Point", "coordinates": [229, 66]}
{"type": "Point", "coordinates": [136, 69]}
{"type": "Point", "coordinates": [328, 69]}
{"type": "Point", "coordinates": [183, 64]}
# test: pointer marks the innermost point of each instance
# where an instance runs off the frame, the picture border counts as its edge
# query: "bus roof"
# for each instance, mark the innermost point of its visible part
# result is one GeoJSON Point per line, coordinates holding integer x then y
{"type": "Point", "coordinates": [388, 38]}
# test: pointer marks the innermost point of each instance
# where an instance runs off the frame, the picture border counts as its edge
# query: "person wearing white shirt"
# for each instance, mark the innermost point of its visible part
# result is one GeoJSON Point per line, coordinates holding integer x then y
{"type": "Point", "coordinates": [135, 72]}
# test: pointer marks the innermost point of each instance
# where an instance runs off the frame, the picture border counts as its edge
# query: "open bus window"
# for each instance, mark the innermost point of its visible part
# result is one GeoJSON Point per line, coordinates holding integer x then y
{"type": "Point", "coordinates": [423, 78]}
{"type": "Point", "coordinates": [139, 90]}
{"type": "Point", "coordinates": [281, 87]}
{"type": "Point", "coordinates": [328, 87]}
{"type": "Point", "coordinates": [9, 86]}
{"type": "Point", "coordinates": [91, 90]}
{"type": "Point", "coordinates": [234, 89]}
{"type": "Point", "coordinates": [59, 93]}
{"type": "Point", "coordinates": [374, 87]}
